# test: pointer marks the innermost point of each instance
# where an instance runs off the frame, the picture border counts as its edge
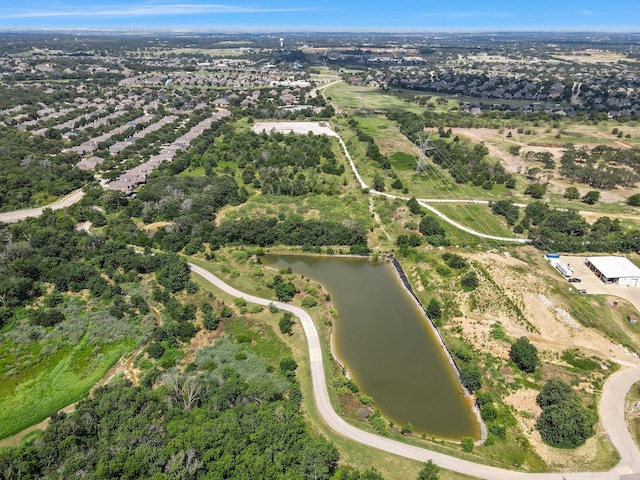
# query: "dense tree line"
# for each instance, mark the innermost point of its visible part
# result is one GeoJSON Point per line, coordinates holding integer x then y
{"type": "Point", "coordinates": [567, 231]}
{"type": "Point", "coordinates": [294, 230]}
{"type": "Point", "coordinates": [32, 171]}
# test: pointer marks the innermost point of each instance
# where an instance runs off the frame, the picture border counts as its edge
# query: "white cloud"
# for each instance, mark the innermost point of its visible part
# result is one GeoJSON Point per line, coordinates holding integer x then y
{"type": "Point", "coordinates": [149, 9]}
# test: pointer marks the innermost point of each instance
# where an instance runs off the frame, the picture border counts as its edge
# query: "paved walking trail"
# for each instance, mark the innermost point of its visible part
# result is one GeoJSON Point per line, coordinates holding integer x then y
{"type": "Point", "coordinates": [611, 411]}
{"type": "Point", "coordinates": [17, 215]}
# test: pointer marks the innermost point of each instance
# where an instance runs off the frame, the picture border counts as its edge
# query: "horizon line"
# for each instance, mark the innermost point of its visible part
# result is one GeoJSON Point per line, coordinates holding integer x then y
{"type": "Point", "coordinates": [239, 31]}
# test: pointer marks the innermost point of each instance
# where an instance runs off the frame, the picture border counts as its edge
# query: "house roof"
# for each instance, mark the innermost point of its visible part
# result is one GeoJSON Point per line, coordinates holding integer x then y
{"type": "Point", "coordinates": [615, 267]}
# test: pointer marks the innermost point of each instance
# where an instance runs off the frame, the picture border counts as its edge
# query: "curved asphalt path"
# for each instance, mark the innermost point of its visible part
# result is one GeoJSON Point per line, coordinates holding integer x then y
{"type": "Point", "coordinates": [17, 215]}
{"type": "Point", "coordinates": [611, 411]}
{"type": "Point", "coordinates": [423, 203]}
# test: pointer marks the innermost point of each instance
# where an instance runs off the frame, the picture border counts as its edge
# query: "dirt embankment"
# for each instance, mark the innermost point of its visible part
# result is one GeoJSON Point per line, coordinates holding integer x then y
{"type": "Point", "coordinates": [549, 327]}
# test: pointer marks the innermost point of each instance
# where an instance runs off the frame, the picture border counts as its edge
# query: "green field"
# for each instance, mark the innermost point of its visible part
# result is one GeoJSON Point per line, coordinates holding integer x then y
{"type": "Point", "coordinates": [477, 217]}
{"type": "Point", "coordinates": [53, 384]}
{"type": "Point", "coordinates": [350, 97]}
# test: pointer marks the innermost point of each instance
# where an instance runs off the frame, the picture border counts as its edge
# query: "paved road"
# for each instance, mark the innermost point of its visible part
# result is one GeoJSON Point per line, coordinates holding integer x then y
{"type": "Point", "coordinates": [611, 411]}
{"type": "Point", "coordinates": [17, 215]}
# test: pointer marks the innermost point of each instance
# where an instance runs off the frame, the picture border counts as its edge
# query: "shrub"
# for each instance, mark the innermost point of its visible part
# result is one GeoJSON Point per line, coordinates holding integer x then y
{"type": "Point", "coordinates": [406, 429]}
{"type": "Point", "coordinates": [488, 412]}
{"type": "Point", "coordinates": [467, 444]}
{"type": "Point", "coordinates": [525, 355]}
{"type": "Point", "coordinates": [210, 321]}
{"type": "Point", "coordinates": [47, 317]}
{"type": "Point", "coordinates": [309, 302]}
{"type": "Point", "coordinates": [155, 350]}
{"type": "Point", "coordinates": [286, 323]}
{"type": "Point", "coordinates": [288, 364]}
{"type": "Point", "coordinates": [469, 280]}
{"type": "Point", "coordinates": [430, 471]}
{"type": "Point", "coordinates": [634, 200]}
{"type": "Point", "coordinates": [471, 377]}
{"type": "Point", "coordinates": [434, 310]}
{"type": "Point", "coordinates": [454, 260]}
{"type": "Point", "coordinates": [413, 205]}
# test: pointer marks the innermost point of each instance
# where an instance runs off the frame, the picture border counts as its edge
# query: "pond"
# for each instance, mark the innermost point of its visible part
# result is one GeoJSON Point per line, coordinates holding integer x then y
{"type": "Point", "coordinates": [386, 343]}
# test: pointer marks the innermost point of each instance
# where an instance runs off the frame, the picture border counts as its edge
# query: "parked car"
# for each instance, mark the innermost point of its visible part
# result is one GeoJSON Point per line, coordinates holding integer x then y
{"type": "Point", "coordinates": [575, 280]}
{"type": "Point", "coordinates": [582, 290]}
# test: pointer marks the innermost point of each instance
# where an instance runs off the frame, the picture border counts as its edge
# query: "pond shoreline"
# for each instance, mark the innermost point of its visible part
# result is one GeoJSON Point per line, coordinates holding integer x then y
{"type": "Point", "coordinates": [402, 276]}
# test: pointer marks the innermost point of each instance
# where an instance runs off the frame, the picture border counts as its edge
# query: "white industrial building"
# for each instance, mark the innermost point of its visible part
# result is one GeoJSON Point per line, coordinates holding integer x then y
{"type": "Point", "coordinates": [618, 270]}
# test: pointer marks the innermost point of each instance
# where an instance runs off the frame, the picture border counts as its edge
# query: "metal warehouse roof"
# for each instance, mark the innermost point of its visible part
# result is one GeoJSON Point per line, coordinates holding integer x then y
{"type": "Point", "coordinates": [615, 267]}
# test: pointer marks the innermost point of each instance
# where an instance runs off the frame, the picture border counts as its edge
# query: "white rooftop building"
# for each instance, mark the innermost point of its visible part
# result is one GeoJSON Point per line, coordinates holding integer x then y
{"type": "Point", "coordinates": [618, 270]}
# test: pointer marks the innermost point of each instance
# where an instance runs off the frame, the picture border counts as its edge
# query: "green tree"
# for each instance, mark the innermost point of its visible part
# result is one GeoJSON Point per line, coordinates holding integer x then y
{"type": "Point", "coordinates": [430, 226]}
{"type": "Point", "coordinates": [414, 206]}
{"type": "Point", "coordinates": [536, 190]}
{"type": "Point", "coordinates": [406, 429]}
{"type": "Point", "coordinates": [554, 391]}
{"type": "Point", "coordinates": [571, 193]}
{"type": "Point", "coordinates": [591, 197]}
{"type": "Point", "coordinates": [378, 182]}
{"type": "Point", "coordinates": [429, 471]}
{"type": "Point", "coordinates": [286, 323]}
{"type": "Point", "coordinates": [285, 291]}
{"type": "Point", "coordinates": [565, 425]}
{"type": "Point", "coordinates": [525, 355]}
{"type": "Point", "coordinates": [634, 200]}
{"type": "Point", "coordinates": [434, 310]}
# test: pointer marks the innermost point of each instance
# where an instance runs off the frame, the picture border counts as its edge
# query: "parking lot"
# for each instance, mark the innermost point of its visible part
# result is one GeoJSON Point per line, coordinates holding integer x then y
{"type": "Point", "coordinates": [593, 285]}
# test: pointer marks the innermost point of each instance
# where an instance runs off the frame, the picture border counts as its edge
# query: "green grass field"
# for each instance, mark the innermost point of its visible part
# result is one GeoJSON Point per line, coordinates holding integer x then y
{"type": "Point", "coordinates": [55, 383]}
{"type": "Point", "coordinates": [478, 217]}
{"type": "Point", "coordinates": [351, 97]}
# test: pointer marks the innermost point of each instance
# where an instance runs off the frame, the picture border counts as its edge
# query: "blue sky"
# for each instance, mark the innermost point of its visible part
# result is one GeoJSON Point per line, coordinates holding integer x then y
{"type": "Point", "coordinates": [324, 15]}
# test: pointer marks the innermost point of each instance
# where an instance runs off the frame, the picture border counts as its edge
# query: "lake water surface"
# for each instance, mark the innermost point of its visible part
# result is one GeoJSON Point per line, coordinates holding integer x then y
{"type": "Point", "coordinates": [387, 345]}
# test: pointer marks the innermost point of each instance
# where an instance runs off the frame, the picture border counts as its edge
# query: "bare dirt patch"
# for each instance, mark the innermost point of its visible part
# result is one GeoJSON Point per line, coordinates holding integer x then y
{"type": "Point", "coordinates": [550, 328]}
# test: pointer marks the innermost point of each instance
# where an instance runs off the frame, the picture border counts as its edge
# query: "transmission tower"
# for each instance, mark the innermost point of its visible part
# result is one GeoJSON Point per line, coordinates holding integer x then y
{"type": "Point", "coordinates": [424, 146]}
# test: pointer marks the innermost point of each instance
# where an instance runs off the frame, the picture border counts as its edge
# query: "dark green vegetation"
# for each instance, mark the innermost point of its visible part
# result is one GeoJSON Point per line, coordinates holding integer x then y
{"type": "Point", "coordinates": [564, 422]}
{"type": "Point", "coordinates": [525, 355]}
{"type": "Point", "coordinates": [34, 172]}
{"type": "Point", "coordinates": [227, 416]}
{"type": "Point", "coordinates": [565, 230]}
{"type": "Point", "coordinates": [276, 163]}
